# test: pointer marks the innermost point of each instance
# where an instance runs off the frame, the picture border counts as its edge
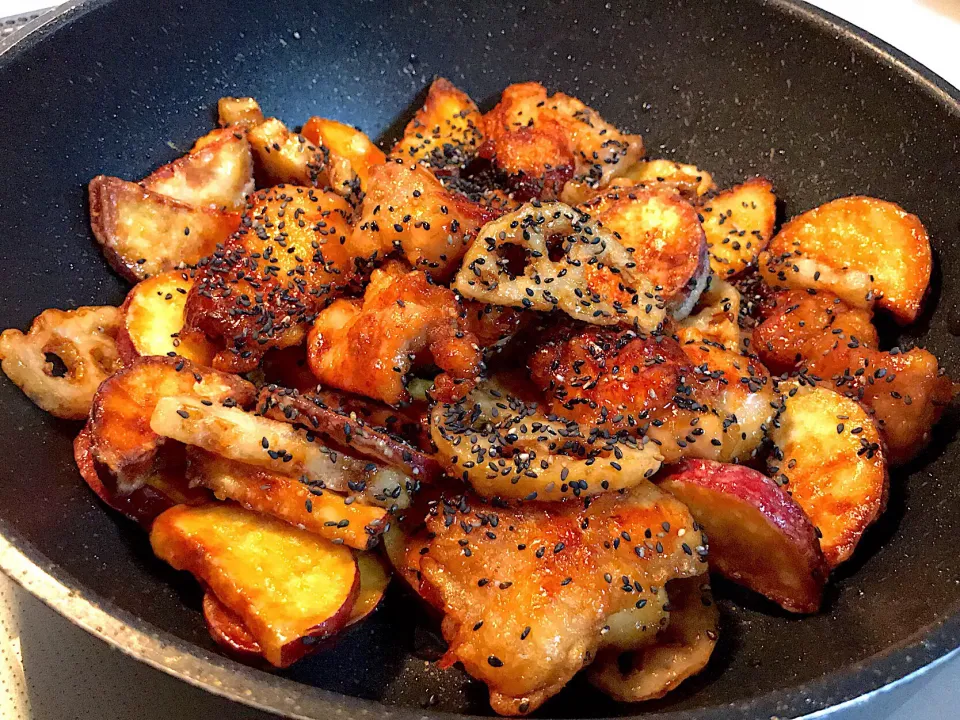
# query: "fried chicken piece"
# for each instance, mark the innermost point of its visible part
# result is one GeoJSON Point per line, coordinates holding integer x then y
{"type": "Point", "coordinates": [408, 211]}
{"type": "Point", "coordinates": [368, 346]}
{"type": "Point", "coordinates": [290, 257]}
{"type": "Point", "coordinates": [541, 141]}
{"type": "Point", "coordinates": [527, 591]}
{"type": "Point", "coordinates": [494, 325]}
{"type": "Point", "coordinates": [793, 319]}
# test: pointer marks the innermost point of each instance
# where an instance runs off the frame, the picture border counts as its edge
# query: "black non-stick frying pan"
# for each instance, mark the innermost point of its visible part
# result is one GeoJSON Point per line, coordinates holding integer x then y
{"type": "Point", "coordinates": [739, 87]}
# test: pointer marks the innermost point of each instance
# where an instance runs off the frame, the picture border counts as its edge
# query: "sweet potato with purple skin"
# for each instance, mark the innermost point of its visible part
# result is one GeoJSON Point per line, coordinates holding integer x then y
{"type": "Point", "coordinates": [759, 536]}
{"type": "Point", "coordinates": [288, 587]}
{"type": "Point", "coordinates": [143, 233]}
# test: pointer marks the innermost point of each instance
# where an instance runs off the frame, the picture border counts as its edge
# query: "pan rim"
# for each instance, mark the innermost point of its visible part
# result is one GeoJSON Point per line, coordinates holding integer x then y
{"type": "Point", "coordinates": [853, 685]}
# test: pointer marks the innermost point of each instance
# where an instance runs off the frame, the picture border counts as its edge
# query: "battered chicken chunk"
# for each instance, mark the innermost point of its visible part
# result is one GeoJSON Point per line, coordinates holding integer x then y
{"type": "Point", "coordinates": [407, 211]}
{"type": "Point", "coordinates": [541, 141]}
{"type": "Point", "coordinates": [527, 591]}
{"type": "Point", "coordinates": [369, 346]}
{"type": "Point", "coordinates": [289, 258]}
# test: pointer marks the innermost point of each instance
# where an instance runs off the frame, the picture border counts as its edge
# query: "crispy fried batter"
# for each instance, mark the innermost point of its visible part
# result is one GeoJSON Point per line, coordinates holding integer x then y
{"type": "Point", "coordinates": [445, 133]}
{"type": "Point", "coordinates": [143, 233]}
{"type": "Point", "coordinates": [543, 141]}
{"type": "Point", "coordinates": [290, 257]}
{"type": "Point", "coordinates": [369, 346]}
{"type": "Point", "coordinates": [527, 591]}
{"type": "Point", "coordinates": [84, 340]}
{"type": "Point", "coordinates": [408, 212]}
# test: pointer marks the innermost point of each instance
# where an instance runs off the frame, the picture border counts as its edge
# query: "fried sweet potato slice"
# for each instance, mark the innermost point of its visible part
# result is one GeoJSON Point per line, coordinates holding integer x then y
{"type": "Point", "coordinates": [289, 587]}
{"type": "Point", "coordinates": [159, 490]}
{"type": "Point", "coordinates": [739, 224]}
{"type": "Point", "coordinates": [541, 141]}
{"type": "Point", "coordinates": [120, 416]}
{"type": "Point", "coordinates": [374, 579]}
{"type": "Point", "coordinates": [84, 340]}
{"type": "Point", "coordinates": [527, 591]}
{"type": "Point", "coordinates": [217, 173]}
{"type": "Point", "coordinates": [445, 133]}
{"type": "Point", "coordinates": [842, 486]}
{"type": "Point", "coordinates": [407, 211]}
{"type": "Point", "coordinates": [689, 180]}
{"type": "Point", "coordinates": [369, 346]}
{"type": "Point", "coordinates": [275, 446]}
{"type": "Point", "coordinates": [506, 448]}
{"type": "Point", "coordinates": [861, 248]}
{"type": "Point", "coordinates": [348, 430]}
{"type": "Point", "coordinates": [283, 157]}
{"type": "Point", "coordinates": [906, 392]}
{"type": "Point", "coordinates": [153, 321]}
{"type": "Point", "coordinates": [262, 290]}
{"type": "Point", "coordinates": [349, 152]}
{"type": "Point", "coordinates": [679, 651]}
{"type": "Point", "coordinates": [795, 322]}
{"type": "Point", "coordinates": [715, 318]}
{"type": "Point", "coordinates": [242, 113]}
{"type": "Point", "coordinates": [662, 232]}
{"type": "Point", "coordinates": [143, 233]}
{"type": "Point", "coordinates": [760, 537]}
{"type": "Point", "coordinates": [337, 517]}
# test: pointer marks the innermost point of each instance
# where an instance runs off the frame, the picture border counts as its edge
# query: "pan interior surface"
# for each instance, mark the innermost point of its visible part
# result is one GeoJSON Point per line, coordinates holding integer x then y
{"type": "Point", "coordinates": [737, 87]}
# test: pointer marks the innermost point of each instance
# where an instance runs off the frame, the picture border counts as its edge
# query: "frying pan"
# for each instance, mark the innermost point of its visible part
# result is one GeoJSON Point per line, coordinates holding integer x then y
{"type": "Point", "coordinates": [739, 87]}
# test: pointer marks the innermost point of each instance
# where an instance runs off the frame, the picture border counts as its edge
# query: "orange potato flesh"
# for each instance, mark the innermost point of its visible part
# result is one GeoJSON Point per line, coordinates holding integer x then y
{"type": "Point", "coordinates": [842, 485]}
{"type": "Point", "coordinates": [739, 224]}
{"type": "Point", "coordinates": [336, 517]}
{"type": "Point", "coordinates": [857, 243]}
{"type": "Point", "coordinates": [759, 536]}
{"type": "Point", "coordinates": [217, 173]}
{"type": "Point", "coordinates": [143, 233]}
{"type": "Point", "coordinates": [153, 319]}
{"type": "Point", "coordinates": [445, 133]}
{"type": "Point", "coordinates": [374, 579]}
{"type": "Point", "coordinates": [120, 417]}
{"type": "Point", "coordinates": [347, 146]}
{"type": "Point", "coordinates": [680, 651]}
{"type": "Point", "coordinates": [242, 112]}
{"type": "Point", "coordinates": [285, 584]}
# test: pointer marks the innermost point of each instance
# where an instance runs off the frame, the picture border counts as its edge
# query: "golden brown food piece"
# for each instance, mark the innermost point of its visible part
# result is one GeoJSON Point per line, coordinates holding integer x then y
{"type": "Point", "coordinates": [122, 407]}
{"type": "Point", "coordinates": [350, 153]}
{"type": "Point", "coordinates": [445, 133]}
{"type": "Point", "coordinates": [153, 321]}
{"type": "Point", "coordinates": [369, 346]}
{"type": "Point", "coordinates": [284, 157]}
{"type": "Point", "coordinates": [842, 485]}
{"type": "Point", "coordinates": [493, 325]}
{"type": "Point", "coordinates": [689, 180]}
{"type": "Point", "coordinates": [540, 142]}
{"type": "Point", "coordinates": [242, 113]}
{"type": "Point", "coordinates": [217, 173]}
{"type": "Point", "coordinates": [678, 652]}
{"type": "Point", "coordinates": [715, 318]}
{"type": "Point", "coordinates": [662, 232]}
{"type": "Point", "coordinates": [337, 517]}
{"type": "Point", "coordinates": [906, 391]}
{"type": "Point", "coordinates": [159, 489]}
{"type": "Point", "coordinates": [548, 256]}
{"type": "Point", "coordinates": [143, 233]}
{"type": "Point", "coordinates": [288, 260]}
{"type": "Point", "coordinates": [408, 212]}
{"type": "Point", "coordinates": [527, 592]}
{"type": "Point", "coordinates": [286, 585]}
{"type": "Point", "coordinates": [795, 321]}
{"type": "Point", "coordinates": [739, 224]}
{"type": "Point", "coordinates": [374, 579]}
{"type": "Point", "coordinates": [84, 340]}
{"type": "Point", "coordinates": [861, 248]}
{"type": "Point", "coordinates": [507, 448]}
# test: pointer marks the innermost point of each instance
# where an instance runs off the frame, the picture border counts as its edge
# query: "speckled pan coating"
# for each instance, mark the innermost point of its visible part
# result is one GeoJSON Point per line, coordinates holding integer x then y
{"type": "Point", "coordinates": [735, 86]}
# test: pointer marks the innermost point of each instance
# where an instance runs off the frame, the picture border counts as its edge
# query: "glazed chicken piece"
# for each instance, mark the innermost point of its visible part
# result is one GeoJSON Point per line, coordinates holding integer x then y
{"type": "Point", "coordinates": [368, 346]}
{"type": "Point", "coordinates": [527, 592]}
{"type": "Point", "coordinates": [541, 141]}
{"type": "Point", "coordinates": [407, 211]}
{"type": "Point", "coordinates": [289, 258]}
